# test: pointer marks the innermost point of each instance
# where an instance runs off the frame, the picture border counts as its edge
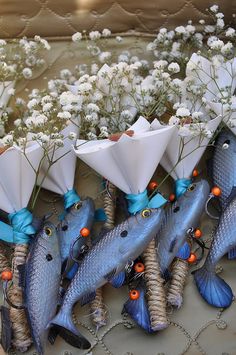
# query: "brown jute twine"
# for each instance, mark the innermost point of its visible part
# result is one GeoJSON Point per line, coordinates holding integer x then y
{"type": "Point", "coordinates": [21, 334]}
{"type": "Point", "coordinates": [4, 260]}
{"type": "Point", "coordinates": [99, 313]}
{"type": "Point", "coordinates": [156, 296]}
{"type": "Point", "coordinates": [179, 273]}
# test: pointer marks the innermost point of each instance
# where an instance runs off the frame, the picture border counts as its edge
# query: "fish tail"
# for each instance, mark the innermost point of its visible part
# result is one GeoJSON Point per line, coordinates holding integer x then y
{"type": "Point", "coordinates": [68, 331]}
{"type": "Point", "coordinates": [138, 311]}
{"type": "Point", "coordinates": [212, 288]}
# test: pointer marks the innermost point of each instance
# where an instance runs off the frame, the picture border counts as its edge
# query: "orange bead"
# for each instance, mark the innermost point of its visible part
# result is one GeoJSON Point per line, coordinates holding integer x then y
{"type": "Point", "coordinates": [195, 173]}
{"type": "Point", "coordinates": [84, 232]}
{"type": "Point", "coordinates": [197, 233]}
{"type": "Point", "coordinates": [216, 191]}
{"type": "Point", "coordinates": [192, 259]}
{"type": "Point", "coordinates": [152, 185]}
{"type": "Point", "coordinates": [134, 294]}
{"type": "Point", "coordinates": [139, 267]}
{"type": "Point", "coordinates": [172, 197]}
{"type": "Point", "coordinates": [6, 275]}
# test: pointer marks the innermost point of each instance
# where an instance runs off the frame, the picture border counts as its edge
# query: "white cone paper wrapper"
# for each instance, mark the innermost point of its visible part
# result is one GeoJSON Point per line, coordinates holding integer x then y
{"type": "Point", "coordinates": [17, 177]}
{"type": "Point", "coordinates": [60, 177]}
{"type": "Point", "coordinates": [228, 113]}
{"type": "Point", "coordinates": [204, 71]}
{"type": "Point", "coordinates": [129, 163]}
{"type": "Point", "coordinates": [192, 155]}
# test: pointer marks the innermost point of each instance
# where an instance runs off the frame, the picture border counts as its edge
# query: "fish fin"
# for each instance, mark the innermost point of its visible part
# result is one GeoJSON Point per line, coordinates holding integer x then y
{"type": "Point", "coordinates": [138, 310]}
{"type": "Point", "coordinates": [6, 329]}
{"type": "Point", "coordinates": [110, 275]}
{"type": "Point", "coordinates": [22, 269]}
{"type": "Point", "coordinates": [68, 331]}
{"type": "Point", "coordinates": [72, 271]}
{"type": "Point", "coordinates": [209, 165]}
{"type": "Point", "coordinates": [172, 245]}
{"type": "Point", "coordinates": [118, 280]}
{"type": "Point", "coordinates": [232, 253]}
{"type": "Point", "coordinates": [100, 235]}
{"type": "Point", "coordinates": [232, 195]}
{"type": "Point", "coordinates": [213, 289]}
{"type": "Point", "coordinates": [52, 335]}
{"type": "Point", "coordinates": [184, 251]}
{"type": "Point", "coordinates": [88, 298]}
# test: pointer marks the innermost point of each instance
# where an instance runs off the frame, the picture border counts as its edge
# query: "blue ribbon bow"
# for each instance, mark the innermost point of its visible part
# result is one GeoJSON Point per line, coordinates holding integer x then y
{"type": "Point", "coordinates": [181, 186]}
{"type": "Point", "coordinates": [21, 227]}
{"type": "Point", "coordinates": [70, 197]}
{"type": "Point", "coordinates": [136, 202]}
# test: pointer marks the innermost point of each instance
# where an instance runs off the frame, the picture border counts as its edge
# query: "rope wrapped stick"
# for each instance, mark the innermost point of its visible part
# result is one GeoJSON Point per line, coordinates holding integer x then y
{"type": "Point", "coordinates": [156, 297]}
{"type": "Point", "coordinates": [21, 333]}
{"type": "Point", "coordinates": [180, 269]}
{"type": "Point", "coordinates": [4, 260]}
{"type": "Point", "coordinates": [99, 313]}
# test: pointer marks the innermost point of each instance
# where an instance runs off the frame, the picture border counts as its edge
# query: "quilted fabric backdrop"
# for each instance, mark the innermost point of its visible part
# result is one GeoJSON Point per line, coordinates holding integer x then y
{"type": "Point", "coordinates": [57, 18]}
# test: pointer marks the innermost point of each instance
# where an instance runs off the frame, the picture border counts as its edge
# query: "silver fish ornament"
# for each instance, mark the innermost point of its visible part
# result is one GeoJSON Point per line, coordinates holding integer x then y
{"type": "Point", "coordinates": [223, 166]}
{"type": "Point", "coordinates": [212, 288]}
{"type": "Point", "coordinates": [40, 278]}
{"type": "Point", "coordinates": [180, 217]}
{"type": "Point", "coordinates": [80, 215]}
{"type": "Point", "coordinates": [105, 262]}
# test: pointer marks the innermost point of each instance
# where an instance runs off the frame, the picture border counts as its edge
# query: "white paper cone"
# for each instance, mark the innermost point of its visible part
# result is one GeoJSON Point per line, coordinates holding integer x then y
{"type": "Point", "coordinates": [129, 163]}
{"type": "Point", "coordinates": [60, 177]}
{"type": "Point", "coordinates": [17, 177]}
{"type": "Point", "coordinates": [228, 112]}
{"type": "Point", "coordinates": [191, 153]}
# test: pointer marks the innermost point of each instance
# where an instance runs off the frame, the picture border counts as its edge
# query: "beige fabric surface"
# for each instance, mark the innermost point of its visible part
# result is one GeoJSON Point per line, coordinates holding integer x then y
{"type": "Point", "coordinates": [57, 18]}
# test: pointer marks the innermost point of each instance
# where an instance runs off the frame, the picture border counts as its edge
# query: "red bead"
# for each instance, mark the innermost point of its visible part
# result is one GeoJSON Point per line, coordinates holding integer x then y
{"type": "Point", "coordinates": [139, 267]}
{"type": "Point", "coordinates": [197, 233]}
{"type": "Point", "coordinates": [6, 275]}
{"type": "Point", "coordinates": [172, 197]}
{"type": "Point", "coordinates": [134, 295]}
{"type": "Point", "coordinates": [192, 258]}
{"type": "Point", "coordinates": [216, 191]}
{"type": "Point", "coordinates": [195, 173]}
{"type": "Point", "coordinates": [84, 232]}
{"type": "Point", "coordinates": [152, 185]}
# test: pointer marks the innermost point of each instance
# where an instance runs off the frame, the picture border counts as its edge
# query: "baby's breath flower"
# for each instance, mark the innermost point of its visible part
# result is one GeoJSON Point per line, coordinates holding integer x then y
{"type": "Point", "coordinates": [7, 140]}
{"type": "Point", "coordinates": [94, 35]}
{"type": "Point", "coordinates": [76, 37]}
{"type": "Point", "coordinates": [174, 67]}
{"type": "Point", "coordinates": [65, 115]}
{"type": "Point", "coordinates": [27, 73]}
{"type": "Point", "coordinates": [182, 112]}
{"type": "Point", "coordinates": [106, 32]}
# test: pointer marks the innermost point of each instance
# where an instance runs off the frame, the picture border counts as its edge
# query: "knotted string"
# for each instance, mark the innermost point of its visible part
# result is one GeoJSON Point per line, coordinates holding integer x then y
{"type": "Point", "coordinates": [181, 186]}
{"type": "Point", "coordinates": [21, 227]}
{"type": "Point", "coordinates": [136, 202]}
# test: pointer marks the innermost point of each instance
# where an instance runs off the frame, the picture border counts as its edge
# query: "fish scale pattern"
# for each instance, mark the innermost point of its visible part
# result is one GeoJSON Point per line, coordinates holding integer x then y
{"type": "Point", "coordinates": [224, 162]}
{"type": "Point", "coordinates": [42, 285]}
{"type": "Point", "coordinates": [225, 237]}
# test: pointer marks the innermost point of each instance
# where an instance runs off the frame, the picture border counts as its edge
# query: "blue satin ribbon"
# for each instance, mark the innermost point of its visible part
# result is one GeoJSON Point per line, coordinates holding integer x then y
{"type": "Point", "coordinates": [181, 186]}
{"type": "Point", "coordinates": [21, 227]}
{"type": "Point", "coordinates": [136, 202]}
{"type": "Point", "coordinates": [70, 197]}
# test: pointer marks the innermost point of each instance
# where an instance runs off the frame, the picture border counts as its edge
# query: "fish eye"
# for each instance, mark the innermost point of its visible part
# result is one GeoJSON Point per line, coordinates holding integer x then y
{"type": "Point", "coordinates": [191, 187]}
{"type": "Point", "coordinates": [49, 257]}
{"type": "Point", "coordinates": [64, 228]}
{"type": "Point", "coordinates": [48, 231]}
{"type": "Point", "coordinates": [146, 213]}
{"type": "Point", "coordinates": [176, 209]}
{"type": "Point", "coordinates": [226, 144]}
{"type": "Point", "coordinates": [77, 205]}
{"type": "Point", "coordinates": [124, 234]}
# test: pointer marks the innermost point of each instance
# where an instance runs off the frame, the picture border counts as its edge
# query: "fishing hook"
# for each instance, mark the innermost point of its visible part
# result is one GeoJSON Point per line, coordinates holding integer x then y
{"type": "Point", "coordinates": [211, 196]}
{"type": "Point", "coordinates": [84, 250]}
{"type": "Point", "coordinates": [5, 295]}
